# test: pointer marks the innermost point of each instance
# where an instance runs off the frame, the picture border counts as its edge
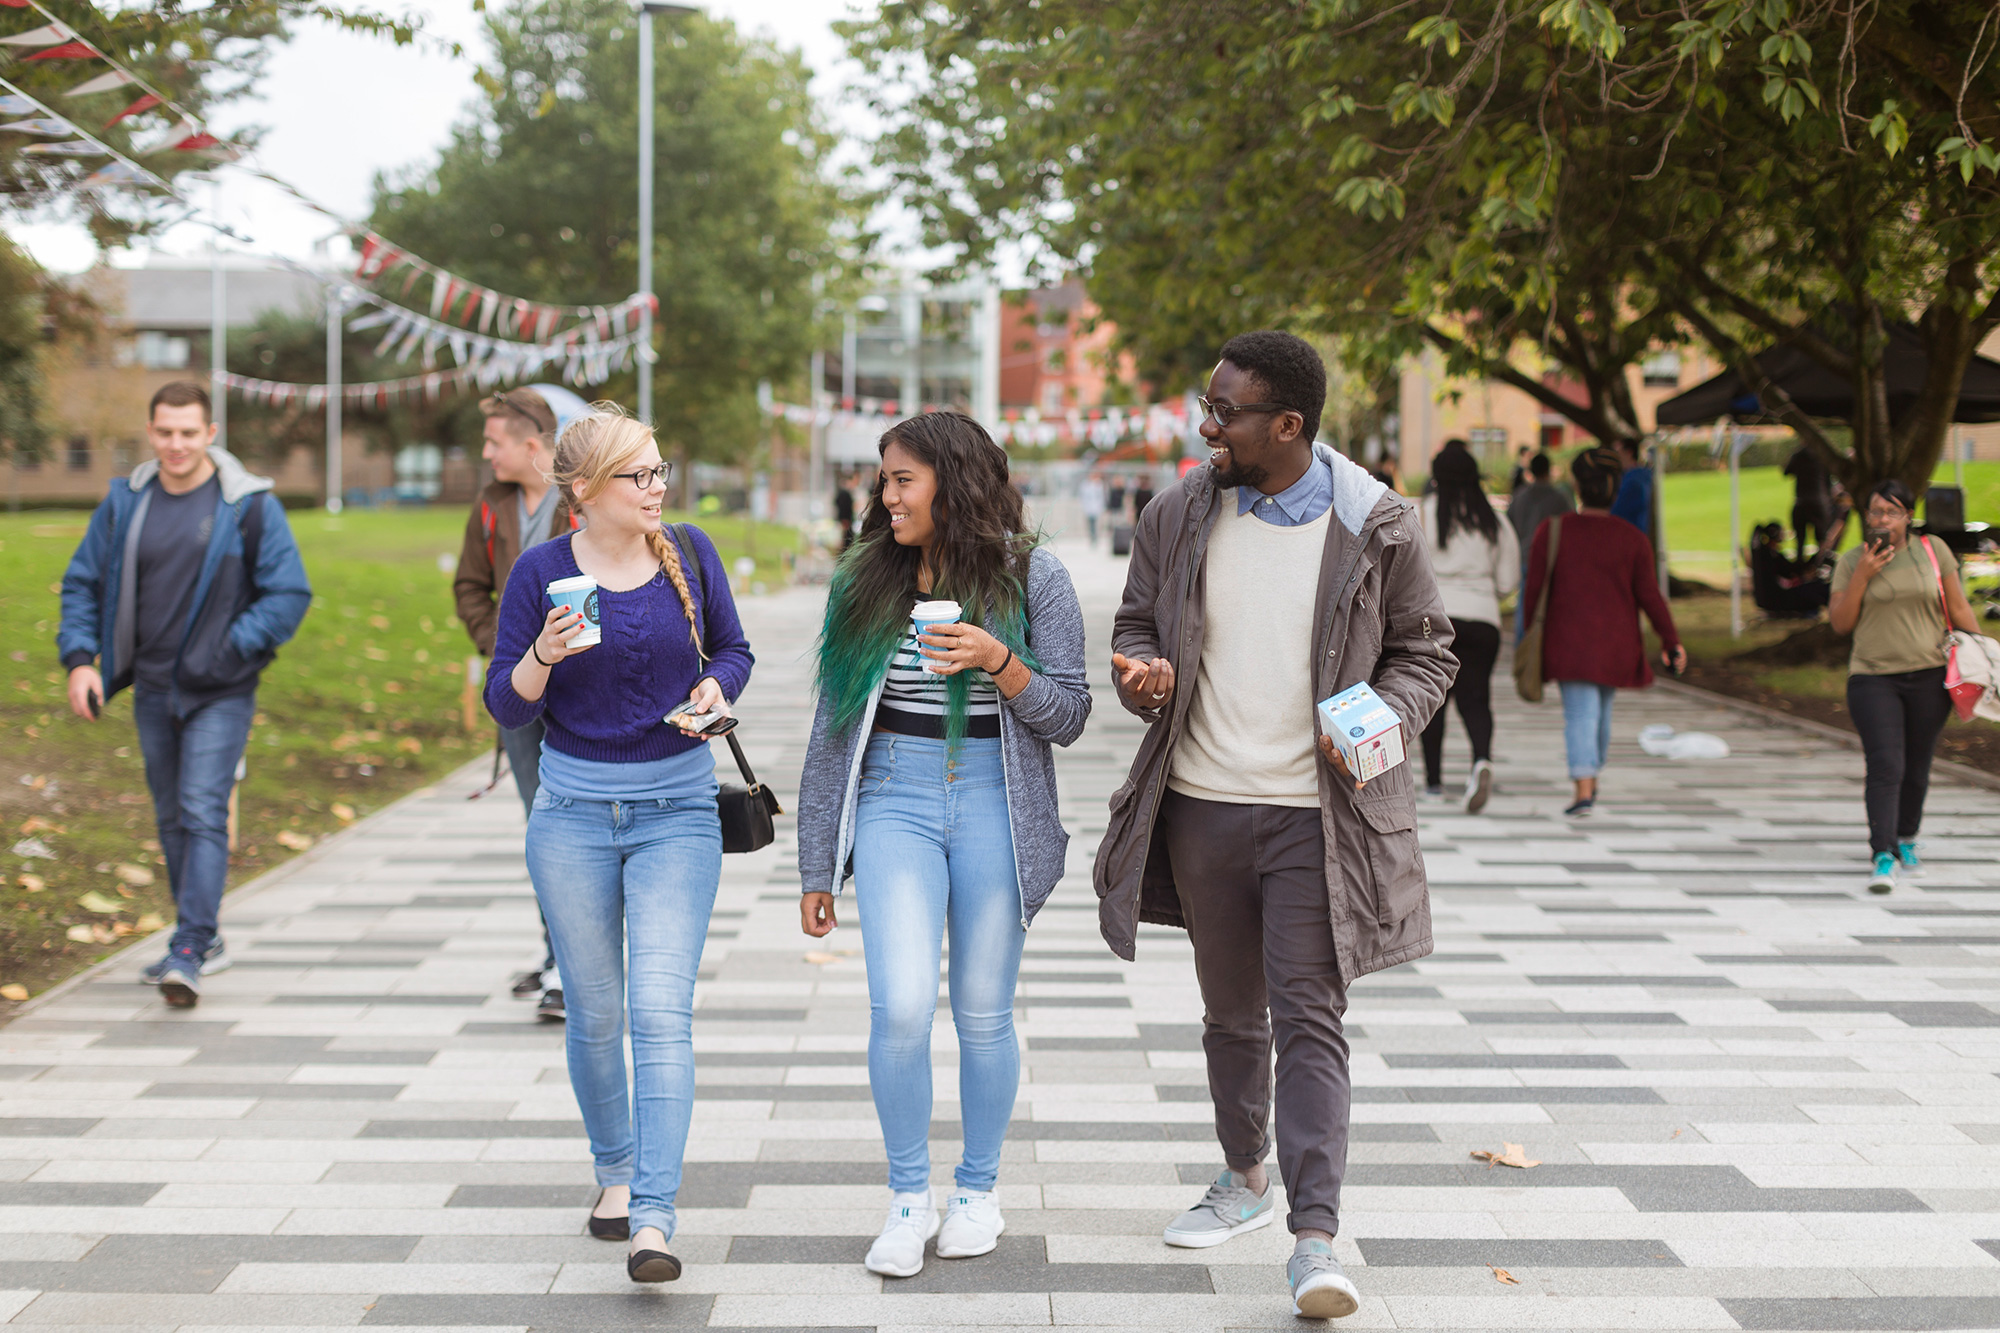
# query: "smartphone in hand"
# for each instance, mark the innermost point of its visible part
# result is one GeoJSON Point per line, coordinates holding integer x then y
{"type": "Point", "coordinates": [96, 704]}
{"type": "Point", "coordinates": [717, 723]}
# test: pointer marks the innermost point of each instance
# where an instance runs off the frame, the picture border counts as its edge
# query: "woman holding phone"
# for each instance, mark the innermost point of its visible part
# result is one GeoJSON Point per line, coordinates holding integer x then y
{"type": "Point", "coordinates": [929, 778]}
{"type": "Point", "coordinates": [1893, 596]}
{"type": "Point", "coordinates": [624, 843]}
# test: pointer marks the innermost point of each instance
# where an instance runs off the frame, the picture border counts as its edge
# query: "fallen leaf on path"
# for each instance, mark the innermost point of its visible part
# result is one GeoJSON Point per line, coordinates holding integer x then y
{"type": "Point", "coordinates": [298, 842]}
{"type": "Point", "coordinates": [137, 876]}
{"type": "Point", "coordinates": [1502, 1275]}
{"type": "Point", "coordinates": [80, 935]}
{"type": "Point", "coordinates": [32, 883]}
{"type": "Point", "coordinates": [150, 922]}
{"type": "Point", "coordinates": [14, 991]}
{"type": "Point", "coordinates": [342, 811]}
{"type": "Point", "coordinates": [1514, 1155]}
{"type": "Point", "coordinates": [36, 824]}
{"type": "Point", "coordinates": [97, 902]}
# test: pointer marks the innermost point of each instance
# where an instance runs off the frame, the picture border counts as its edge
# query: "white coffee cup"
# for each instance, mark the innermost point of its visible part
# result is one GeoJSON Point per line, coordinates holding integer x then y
{"type": "Point", "coordinates": [927, 614]}
{"type": "Point", "coordinates": [579, 594]}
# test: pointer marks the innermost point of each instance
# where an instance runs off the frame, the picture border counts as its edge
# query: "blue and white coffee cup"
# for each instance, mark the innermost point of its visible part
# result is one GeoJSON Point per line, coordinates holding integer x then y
{"type": "Point", "coordinates": [927, 614]}
{"type": "Point", "coordinates": [579, 594]}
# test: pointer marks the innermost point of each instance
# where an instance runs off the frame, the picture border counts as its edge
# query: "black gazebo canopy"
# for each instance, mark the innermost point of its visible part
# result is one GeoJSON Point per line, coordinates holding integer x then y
{"type": "Point", "coordinates": [1821, 393]}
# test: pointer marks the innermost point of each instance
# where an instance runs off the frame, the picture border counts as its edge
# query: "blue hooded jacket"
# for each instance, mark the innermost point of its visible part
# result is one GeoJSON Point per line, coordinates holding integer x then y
{"type": "Point", "coordinates": [235, 623]}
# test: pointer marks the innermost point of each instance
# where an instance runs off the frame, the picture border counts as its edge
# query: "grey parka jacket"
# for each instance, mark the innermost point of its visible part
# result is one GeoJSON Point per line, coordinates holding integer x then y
{"type": "Point", "coordinates": [1378, 618]}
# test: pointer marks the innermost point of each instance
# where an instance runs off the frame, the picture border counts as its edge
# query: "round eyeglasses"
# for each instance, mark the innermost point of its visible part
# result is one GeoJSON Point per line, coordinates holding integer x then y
{"type": "Point", "coordinates": [644, 477]}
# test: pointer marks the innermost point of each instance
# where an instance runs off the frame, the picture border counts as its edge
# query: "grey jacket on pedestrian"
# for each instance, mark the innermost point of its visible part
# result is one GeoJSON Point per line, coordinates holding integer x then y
{"type": "Point", "coordinates": [1050, 710]}
{"type": "Point", "coordinates": [1378, 618]}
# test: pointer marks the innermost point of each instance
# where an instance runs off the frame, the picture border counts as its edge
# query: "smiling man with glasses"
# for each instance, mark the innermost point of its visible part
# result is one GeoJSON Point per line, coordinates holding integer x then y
{"type": "Point", "coordinates": [1278, 575]}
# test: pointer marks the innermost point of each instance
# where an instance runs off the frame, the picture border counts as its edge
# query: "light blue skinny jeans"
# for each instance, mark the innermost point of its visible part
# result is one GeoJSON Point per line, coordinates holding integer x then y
{"type": "Point", "coordinates": [637, 880]}
{"type": "Point", "coordinates": [934, 854]}
{"type": "Point", "coordinates": [1587, 726]}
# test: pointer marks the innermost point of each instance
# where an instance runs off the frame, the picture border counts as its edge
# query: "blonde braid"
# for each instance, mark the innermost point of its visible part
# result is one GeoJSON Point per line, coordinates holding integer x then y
{"type": "Point", "coordinates": [669, 554]}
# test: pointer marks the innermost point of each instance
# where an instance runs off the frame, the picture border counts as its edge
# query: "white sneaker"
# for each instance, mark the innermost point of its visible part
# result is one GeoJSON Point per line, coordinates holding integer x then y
{"type": "Point", "coordinates": [899, 1250]}
{"type": "Point", "coordinates": [972, 1224]}
{"type": "Point", "coordinates": [1478, 787]}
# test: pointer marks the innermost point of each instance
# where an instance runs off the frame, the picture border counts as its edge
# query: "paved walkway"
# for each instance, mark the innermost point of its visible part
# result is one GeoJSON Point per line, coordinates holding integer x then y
{"type": "Point", "coordinates": [1759, 1097]}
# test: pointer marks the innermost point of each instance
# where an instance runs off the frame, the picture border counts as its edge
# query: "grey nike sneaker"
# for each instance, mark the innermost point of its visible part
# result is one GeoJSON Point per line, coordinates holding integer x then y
{"type": "Point", "coordinates": [1320, 1287]}
{"type": "Point", "coordinates": [217, 959]}
{"type": "Point", "coordinates": [1228, 1209]}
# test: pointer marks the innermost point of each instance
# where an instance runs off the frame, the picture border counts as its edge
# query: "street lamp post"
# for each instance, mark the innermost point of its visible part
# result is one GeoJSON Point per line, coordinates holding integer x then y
{"type": "Point", "coordinates": [647, 8]}
{"type": "Point", "coordinates": [336, 306]}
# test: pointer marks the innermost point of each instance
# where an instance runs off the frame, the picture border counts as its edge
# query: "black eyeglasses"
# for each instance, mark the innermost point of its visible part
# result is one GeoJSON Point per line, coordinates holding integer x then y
{"type": "Point", "coordinates": [1224, 413]}
{"type": "Point", "coordinates": [645, 476]}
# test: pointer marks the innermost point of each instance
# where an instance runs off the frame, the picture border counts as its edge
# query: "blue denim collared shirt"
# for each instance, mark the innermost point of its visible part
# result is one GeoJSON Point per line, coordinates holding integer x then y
{"type": "Point", "coordinates": [1299, 503]}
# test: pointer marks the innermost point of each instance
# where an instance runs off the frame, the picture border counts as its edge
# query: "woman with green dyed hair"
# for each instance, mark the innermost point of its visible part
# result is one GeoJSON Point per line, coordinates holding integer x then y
{"type": "Point", "coordinates": [930, 781]}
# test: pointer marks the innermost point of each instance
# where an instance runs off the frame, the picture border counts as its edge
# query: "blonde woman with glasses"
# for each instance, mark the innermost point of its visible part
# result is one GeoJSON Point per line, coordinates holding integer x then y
{"type": "Point", "coordinates": [624, 844]}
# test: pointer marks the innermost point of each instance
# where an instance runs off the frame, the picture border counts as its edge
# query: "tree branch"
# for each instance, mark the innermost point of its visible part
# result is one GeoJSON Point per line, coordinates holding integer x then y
{"type": "Point", "coordinates": [1773, 396]}
{"type": "Point", "coordinates": [1802, 336]}
{"type": "Point", "coordinates": [1493, 368]}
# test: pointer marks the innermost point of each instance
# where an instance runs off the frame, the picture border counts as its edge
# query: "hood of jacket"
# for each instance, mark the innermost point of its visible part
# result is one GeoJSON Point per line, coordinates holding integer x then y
{"type": "Point", "coordinates": [1355, 491]}
{"type": "Point", "coordinates": [237, 480]}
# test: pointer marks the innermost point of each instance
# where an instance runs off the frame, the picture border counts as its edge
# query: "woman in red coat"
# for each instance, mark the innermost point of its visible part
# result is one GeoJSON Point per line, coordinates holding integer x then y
{"type": "Point", "coordinates": [1591, 644]}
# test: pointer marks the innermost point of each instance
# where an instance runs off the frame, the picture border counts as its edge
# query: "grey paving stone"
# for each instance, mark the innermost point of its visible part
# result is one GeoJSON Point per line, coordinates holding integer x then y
{"type": "Point", "coordinates": [367, 1092]}
{"type": "Point", "coordinates": [1915, 1013]}
{"type": "Point", "coordinates": [1796, 960]}
{"type": "Point", "coordinates": [147, 1033]}
{"type": "Point", "coordinates": [213, 1250]}
{"type": "Point", "coordinates": [994, 1273]}
{"type": "Point", "coordinates": [1551, 1096]}
{"type": "Point", "coordinates": [525, 1026]}
{"type": "Point", "coordinates": [1575, 937]}
{"type": "Point", "coordinates": [1614, 979]}
{"type": "Point", "coordinates": [526, 1196]}
{"type": "Point", "coordinates": [471, 1129]}
{"type": "Point", "coordinates": [640, 1309]}
{"type": "Point", "coordinates": [1992, 1247]}
{"type": "Point", "coordinates": [380, 1000]}
{"type": "Point", "coordinates": [1844, 1313]}
{"type": "Point", "coordinates": [44, 1127]}
{"type": "Point", "coordinates": [712, 1014]}
{"type": "Point", "coordinates": [1513, 1253]}
{"type": "Point", "coordinates": [1444, 1060]}
{"type": "Point", "coordinates": [1538, 1017]}
{"type": "Point", "coordinates": [76, 1194]}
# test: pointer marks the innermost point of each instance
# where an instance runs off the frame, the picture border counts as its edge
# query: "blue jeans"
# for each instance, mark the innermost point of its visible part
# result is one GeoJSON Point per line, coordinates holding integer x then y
{"type": "Point", "coordinates": [1587, 725]}
{"type": "Point", "coordinates": [933, 852]}
{"type": "Point", "coordinates": [635, 880]}
{"type": "Point", "coordinates": [190, 767]}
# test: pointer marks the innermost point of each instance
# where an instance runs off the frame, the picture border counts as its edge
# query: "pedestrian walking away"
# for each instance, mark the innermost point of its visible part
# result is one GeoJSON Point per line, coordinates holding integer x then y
{"type": "Point", "coordinates": [952, 660]}
{"type": "Point", "coordinates": [624, 841]}
{"type": "Point", "coordinates": [1899, 599]}
{"type": "Point", "coordinates": [1090, 498]}
{"type": "Point", "coordinates": [520, 510]}
{"type": "Point", "coordinates": [1812, 500]}
{"type": "Point", "coordinates": [1278, 575]}
{"type": "Point", "coordinates": [186, 583]}
{"type": "Point", "coordinates": [1477, 562]}
{"type": "Point", "coordinates": [1539, 500]}
{"type": "Point", "coordinates": [1603, 576]}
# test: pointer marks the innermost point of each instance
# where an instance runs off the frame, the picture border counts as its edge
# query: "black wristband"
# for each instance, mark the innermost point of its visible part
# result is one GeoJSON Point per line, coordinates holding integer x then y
{"type": "Point", "coordinates": [533, 647]}
{"type": "Point", "coordinates": [1011, 659]}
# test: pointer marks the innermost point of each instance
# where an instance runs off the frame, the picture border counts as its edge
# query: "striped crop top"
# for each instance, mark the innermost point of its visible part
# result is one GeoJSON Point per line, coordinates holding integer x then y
{"type": "Point", "coordinates": [914, 701]}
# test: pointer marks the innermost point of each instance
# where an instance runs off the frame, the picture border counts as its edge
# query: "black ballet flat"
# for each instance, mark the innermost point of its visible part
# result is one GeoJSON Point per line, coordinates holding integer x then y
{"type": "Point", "coordinates": [652, 1266]}
{"type": "Point", "coordinates": [609, 1228]}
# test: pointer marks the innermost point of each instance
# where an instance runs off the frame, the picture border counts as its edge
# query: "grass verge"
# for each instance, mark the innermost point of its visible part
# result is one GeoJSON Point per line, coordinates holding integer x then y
{"type": "Point", "coordinates": [364, 705]}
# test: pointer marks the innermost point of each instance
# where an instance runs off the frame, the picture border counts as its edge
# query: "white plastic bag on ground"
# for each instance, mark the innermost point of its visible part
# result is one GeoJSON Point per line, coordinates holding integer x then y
{"type": "Point", "coordinates": [1663, 742]}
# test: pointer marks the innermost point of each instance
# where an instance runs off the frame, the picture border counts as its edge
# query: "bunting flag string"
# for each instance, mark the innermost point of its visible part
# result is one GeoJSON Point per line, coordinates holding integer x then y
{"type": "Point", "coordinates": [585, 355]}
{"type": "Point", "coordinates": [468, 304]}
{"type": "Point", "coordinates": [1158, 424]}
{"type": "Point", "coordinates": [121, 170]}
{"type": "Point", "coordinates": [374, 393]}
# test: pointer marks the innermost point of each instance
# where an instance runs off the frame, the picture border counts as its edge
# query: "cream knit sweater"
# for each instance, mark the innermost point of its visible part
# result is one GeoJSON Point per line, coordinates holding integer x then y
{"type": "Point", "coordinates": [1249, 736]}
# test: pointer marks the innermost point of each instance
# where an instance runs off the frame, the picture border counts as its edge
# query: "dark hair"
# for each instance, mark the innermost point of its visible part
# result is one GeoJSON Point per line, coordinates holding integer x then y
{"type": "Point", "coordinates": [979, 560]}
{"type": "Point", "coordinates": [181, 393]}
{"type": "Point", "coordinates": [1288, 368]}
{"type": "Point", "coordinates": [1538, 467]}
{"type": "Point", "coordinates": [1895, 491]}
{"type": "Point", "coordinates": [1597, 474]}
{"type": "Point", "coordinates": [1461, 499]}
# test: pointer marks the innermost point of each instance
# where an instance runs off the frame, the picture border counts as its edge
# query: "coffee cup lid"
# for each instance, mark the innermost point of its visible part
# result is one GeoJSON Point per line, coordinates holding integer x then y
{"type": "Point", "coordinates": [936, 610]}
{"type": "Point", "coordinates": [573, 583]}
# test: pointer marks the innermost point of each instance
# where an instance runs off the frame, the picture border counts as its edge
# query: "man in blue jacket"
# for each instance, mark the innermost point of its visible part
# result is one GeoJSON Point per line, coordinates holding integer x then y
{"type": "Point", "coordinates": [186, 583]}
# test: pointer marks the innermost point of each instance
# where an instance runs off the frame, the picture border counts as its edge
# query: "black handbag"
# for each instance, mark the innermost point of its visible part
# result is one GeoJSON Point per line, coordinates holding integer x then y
{"type": "Point", "coordinates": [746, 810]}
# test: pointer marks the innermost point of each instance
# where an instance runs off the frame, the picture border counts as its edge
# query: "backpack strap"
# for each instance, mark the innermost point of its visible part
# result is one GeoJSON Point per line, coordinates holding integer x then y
{"type": "Point", "coordinates": [250, 524]}
{"type": "Point", "coordinates": [1944, 611]}
{"type": "Point", "coordinates": [486, 524]}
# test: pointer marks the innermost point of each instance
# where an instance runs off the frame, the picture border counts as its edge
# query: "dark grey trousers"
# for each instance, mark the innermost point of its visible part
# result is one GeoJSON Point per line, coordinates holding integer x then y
{"type": "Point", "coordinates": [1252, 883]}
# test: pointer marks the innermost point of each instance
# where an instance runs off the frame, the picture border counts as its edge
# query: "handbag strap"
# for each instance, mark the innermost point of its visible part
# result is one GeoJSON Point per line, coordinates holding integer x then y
{"type": "Point", "coordinates": [1549, 571]}
{"type": "Point", "coordinates": [1944, 611]}
{"type": "Point", "coordinates": [742, 761]}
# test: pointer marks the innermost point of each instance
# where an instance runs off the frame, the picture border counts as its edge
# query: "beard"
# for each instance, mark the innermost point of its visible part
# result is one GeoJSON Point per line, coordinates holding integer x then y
{"type": "Point", "coordinates": [1236, 474]}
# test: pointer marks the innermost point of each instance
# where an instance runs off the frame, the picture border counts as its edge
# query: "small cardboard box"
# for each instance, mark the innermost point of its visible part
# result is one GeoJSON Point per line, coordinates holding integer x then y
{"type": "Point", "coordinates": [1368, 732]}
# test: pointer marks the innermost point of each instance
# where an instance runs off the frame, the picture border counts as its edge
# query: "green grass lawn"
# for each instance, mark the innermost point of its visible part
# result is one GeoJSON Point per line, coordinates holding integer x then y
{"type": "Point", "coordinates": [1696, 510]}
{"type": "Point", "coordinates": [361, 707]}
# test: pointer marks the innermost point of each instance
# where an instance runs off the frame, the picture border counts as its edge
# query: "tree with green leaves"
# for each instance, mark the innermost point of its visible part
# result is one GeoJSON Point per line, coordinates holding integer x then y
{"type": "Point", "coordinates": [1585, 178]}
{"type": "Point", "coordinates": [534, 196]}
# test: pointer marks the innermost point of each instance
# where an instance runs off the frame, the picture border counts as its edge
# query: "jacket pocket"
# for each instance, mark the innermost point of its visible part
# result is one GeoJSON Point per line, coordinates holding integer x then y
{"type": "Point", "coordinates": [209, 661]}
{"type": "Point", "coordinates": [1394, 858]}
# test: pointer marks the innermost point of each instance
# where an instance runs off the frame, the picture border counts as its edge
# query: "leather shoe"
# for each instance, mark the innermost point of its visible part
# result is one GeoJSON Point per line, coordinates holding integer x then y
{"type": "Point", "coordinates": [652, 1266]}
{"type": "Point", "coordinates": [609, 1228]}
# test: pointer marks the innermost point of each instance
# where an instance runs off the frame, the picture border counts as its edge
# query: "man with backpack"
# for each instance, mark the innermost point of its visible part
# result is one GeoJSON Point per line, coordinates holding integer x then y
{"type": "Point", "coordinates": [185, 584]}
{"type": "Point", "coordinates": [522, 508]}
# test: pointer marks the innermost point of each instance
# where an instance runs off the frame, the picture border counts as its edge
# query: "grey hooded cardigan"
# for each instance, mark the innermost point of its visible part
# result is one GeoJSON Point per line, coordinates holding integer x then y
{"type": "Point", "coordinates": [1050, 710]}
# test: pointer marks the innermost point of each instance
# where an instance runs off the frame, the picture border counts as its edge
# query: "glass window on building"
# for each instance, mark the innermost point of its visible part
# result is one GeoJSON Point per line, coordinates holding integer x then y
{"type": "Point", "coordinates": [77, 453]}
{"type": "Point", "coordinates": [419, 472]}
{"type": "Point", "coordinates": [1661, 370]}
{"type": "Point", "coordinates": [154, 350]}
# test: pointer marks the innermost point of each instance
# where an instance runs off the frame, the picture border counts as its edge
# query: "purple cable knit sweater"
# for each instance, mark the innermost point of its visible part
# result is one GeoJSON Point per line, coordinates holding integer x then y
{"type": "Point", "coordinates": [606, 703]}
